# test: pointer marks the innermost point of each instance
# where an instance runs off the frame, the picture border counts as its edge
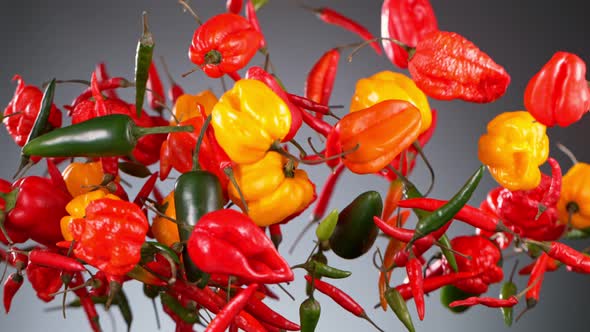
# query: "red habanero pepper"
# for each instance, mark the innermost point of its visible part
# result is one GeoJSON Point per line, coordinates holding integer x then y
{"type": "Point", "coordinates": [486, 301]}
{"type": "Point", "coordinates": [54, 260]}
{"type": "Point", "coordinates": [433, 283]}
{"type": "Point", "coordinates": [224, 44]}
{"type": "Point", "coordinates": [253, 19]}
{"type": "Point", "coordinates": [246, 251]}
{"type": "Point", "coordinates": [231, 310]}
{"type": "Point", "coordinates": [155, 90]}
{"type": "Point", "coordinates": [408, 22]}
{"type": "Point", "coordinates": [11, 286]}
{"type": "Point", "coordinates": [102, 76]}
{"type": "Point", "coordinates": [45, 281]}
{"type": "Point", "coordinates": [331, 16]}
{"type": "Point", "coordinates": [234, 6]}
{"type": "Point", "coordinates": [447, 66]}
{"type": "Point", "coordinates": [536, 280]}
{"type": "Point", "coordinates": [259, 74]}
{"type": "Point", "coordinates": [414, 271]}
{"type": "Point", "coordinates": [308, 104]}
{"type": "Point", "coordinates": [321, 78]}
{"type": "Point", "coordinates": [558, 94]}
{"type": "Point", "coordinates": [22, 110]}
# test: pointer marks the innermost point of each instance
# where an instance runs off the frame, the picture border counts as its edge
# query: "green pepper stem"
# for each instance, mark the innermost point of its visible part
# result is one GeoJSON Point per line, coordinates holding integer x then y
{"type": "Point", "coordinates": [567, 152]}
{"type": "Point", "coordinates": [143, 131]}
{"type": "Point", "coordinates": [418, 148]}
{"type": "Point", "coordinates": [187, 7]}
{"type": "Point", "coordinates": [3, 230]}
{"type": "Point", "coordinates": [230, 174]}
{"type": "Point", "coordinates": [411, 50]}
{"type": "Point", "coordinates": [196, 165]}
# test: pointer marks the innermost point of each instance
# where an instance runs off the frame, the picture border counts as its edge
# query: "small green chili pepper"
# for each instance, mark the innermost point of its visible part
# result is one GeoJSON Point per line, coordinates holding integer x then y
{"type": "Point", "coordinates": [508, 290]}
{"type": "Point", "coordinates": [320, 258]}
{"type": "Point", "coordinates": [151, 291]}
{"type": "Point", "coordinates": [123, 305]}
{"type": "Point", "coordinates": [399, 307]}
{"type": "Point", "coordinates": [134, 169]}
{"type": "Point", "coordinates": [309, 314]}
{"type": "Point", "coordinates": [259, 4]}
{"type": "Point", "coordinates": [445, 213]}
{"type": "Point", "coordinates": [326, 227]}
{"type": "Point", "coordinates": [322, 270]}
{"type": "Point", "coordinates": [578, 234]}
{"type": "Point", "coordinates": [104, 136]}
{"type": "Point", "coordinates": [143, 60]}
{"type": "Point", "coordinates": [186, 315]}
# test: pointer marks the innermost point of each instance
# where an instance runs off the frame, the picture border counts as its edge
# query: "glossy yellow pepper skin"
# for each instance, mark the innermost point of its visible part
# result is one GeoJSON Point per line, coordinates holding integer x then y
{"type": "Point", "coordinates": [388, 85]}
{"type": "Point", "coordinates": [81, 177]}
{"type": "Point", "coordinates": [575, 196]}
{"type": "Point", "coordinates": [186, 106]}
{"type": "Point", "coordinates": [273, 189]}
{"type": "Point", "coordinates": [513, 149]}
{"type": "Point", "coordinates": [248, 119]}
{"type": "Point", "coordinates": [76, 209]}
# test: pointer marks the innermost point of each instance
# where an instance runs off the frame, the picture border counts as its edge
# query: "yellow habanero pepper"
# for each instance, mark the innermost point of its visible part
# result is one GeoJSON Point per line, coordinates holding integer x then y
{"type": "Point", "coordinates": [248, 119]}
{"type": "Point", "coordinates": [575, 197]}
{"type": "Point", "coordinates": [77, 209]}
{"type": "Point", "coordinates": [164, 230]}
{"type": "Point", "coordinates": [387, 85]}
{"type": "Point", "coordinates": [273, 189]}
{"type": "Point", "coordinates": [186, 106]}
{"type": "Point", "coordinates": [513, 149]}
{"type": "Point", "coordinates": [81, 177]}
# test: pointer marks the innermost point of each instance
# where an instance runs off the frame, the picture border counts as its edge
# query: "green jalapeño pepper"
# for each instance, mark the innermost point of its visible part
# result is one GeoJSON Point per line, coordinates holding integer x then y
{"type": "Point", "coordinates": [508, 290]}
{"type": "Point", "coordinates": [309, 314]}
{"type": "Point", "coordinates": [355, 231]}
{"type": "Point", "coordinates": [143, 60]}
{"type": "Point", "coordinates": [105, 136]}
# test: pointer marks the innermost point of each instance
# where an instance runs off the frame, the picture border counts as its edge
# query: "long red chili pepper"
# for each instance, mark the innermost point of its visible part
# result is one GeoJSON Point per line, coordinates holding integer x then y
{"type": "Point", "coordinates": [486, 301]}
{"type": "Point", "coordinates": [231, 310]}
{"type": "Point", "coordinates": [56, 261]}
{"type": "Point", "coordinates": [146, 189]}
{"type": "Point", "coordinates": [253, 19]}
{"type": "Point", "coordinates": [324, 199]}
{"type": "Point", "coordinates": [320, 126]}
{"type": "Point", "coordinates": [552, 195]}
{"type": "Point", "coordinates": [551, 266]}
{"type": "Point", "coordinates": [243, 320]}
{"type": "Point", "coordinates": [536, 280]}
{"type": "Point", "coordinates": [331, 16]}
{"type": "Point", "coordinates": [321, 78]}
{"type": "Point", "coordinates": [111, 83]}
{"type": "Point", "coordinates": [568, 256]}
{"type": "Point", "coordinates": [414, 271]}
{"type": "Point", "coordinates": [434, 283]}
{"type": "Point", "coordinates": [11, 286]}
{"type": "Point", "coordinates": [102, 75]}
{"type": "Point", "coordinates": [309, 104]}
{"type": "Point", "coordinates": [155, 90]}
{"type": "Point", "coordinates": [276, 235]}
{"type": "Point", "coordinates": [55, 175]}
{"type": "Point", "coordinates": [86, 301]}
{"type": "Point", "coordinates": [234, 6]}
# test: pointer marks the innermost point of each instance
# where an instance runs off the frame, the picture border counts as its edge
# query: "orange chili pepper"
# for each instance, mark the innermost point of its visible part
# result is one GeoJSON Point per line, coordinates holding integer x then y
{"type": "Point", "coordinates": [393, 248]}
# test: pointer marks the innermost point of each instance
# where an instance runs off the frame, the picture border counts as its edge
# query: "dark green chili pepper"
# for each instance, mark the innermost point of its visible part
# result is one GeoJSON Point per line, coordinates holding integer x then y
{"type": "Point", "coordinates": [165, 250]}
{"type": "Point", "coordinates": [399, 307]}
{"type": "Point", "coordinates": [41, 122]}
{"type": "Point", "coordinates": [151, 291]}
{"type": "Point", "coordinates": [355, 231]}
{"type": "Point", "coordinates": [451, 293]}
{"type": "Point", "coordinates": [104, 136]}
{"type": "Point", "coordinates": [123, 305]}
{"type": "Point", "coordinates": [186, 315]}
{"type": "Point", "coordinates": [143, 60]}
{"type": "Point", "coordinates": [134, 169]}
{"type": "Point", "coordinates": [508, 290]}
{"type": "Point", "coordinates": [309, 314]}
{"type": "Point", "coordinates": [322, 270]}
{"type": "Point", "coordinates": [445, 213]}
{"type": "Point", "coordinates": [326, 227]}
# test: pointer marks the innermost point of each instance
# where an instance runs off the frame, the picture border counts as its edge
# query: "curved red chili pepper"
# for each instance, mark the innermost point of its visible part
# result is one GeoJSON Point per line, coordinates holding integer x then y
{"type": "Point", "coordinates": [11, 286]}
{"type": "Point", "coordinates": [321, 78]}
{"type": "Point", "coordinates": [536, 280]}
{"type": "Point", "coordinates": [486, 301]}
{"type": "Point", "coordinates": [103, 86]}
{"type": "Point", "coordinates": [340, 297]}
{"type": "Point", "coordinates": [433, 283]}
{"type": "Point", "coordinates": [568, 256]}
{"type": "Point", "coordinates": [234, 6]}
{"type": "Point", "coordinates": [55, 261]}
{"type": "Point", "coordinates": [414, 271]}
{"type": "Point", "coordinates": [309, 104]}
{"type": "Point", "coordinates": [101, 75]}
{"type": "Point", "coordinates": [155, 90]}
{"type": "Point", "coordinates": [231, 310]}
{"type": "Point", "coordinates": [552, 265]}
{"type": "Point", "coordinates": [320, 126]}
{"type": "Point", "coordinates": [324, 199]}
{"type": "Point", "coordinates": [86, 301]}
{"type": "Point", "coordinates": [146, 190]}
{"type": "Point", "coordinates": [253, 19]}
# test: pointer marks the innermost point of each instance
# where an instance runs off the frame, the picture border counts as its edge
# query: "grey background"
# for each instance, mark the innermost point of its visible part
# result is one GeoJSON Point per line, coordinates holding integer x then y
{"type": "Point", "coordinates": [65, 39]}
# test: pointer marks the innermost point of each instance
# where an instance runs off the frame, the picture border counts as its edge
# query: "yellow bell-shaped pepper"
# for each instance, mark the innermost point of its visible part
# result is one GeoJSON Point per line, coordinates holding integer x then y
{"type": "Point", "coordinates": [575, 197]}
{"type": "Point", "coordinates": [513, 149]}
{"type": "Point", "coordinates": [387, 85]}
{"type": "Point", "coordinates": [186, 106]}
{"type": "Point", "coordinates": [77, 209]}
{"type": "Point", "coordinates": [272, 188]}
{"type": "Point", "coordinates": [248, 119]}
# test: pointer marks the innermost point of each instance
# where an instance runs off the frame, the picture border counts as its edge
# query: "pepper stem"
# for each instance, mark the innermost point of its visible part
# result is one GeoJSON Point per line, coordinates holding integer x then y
{"type": "Point", "coordinates": [230, 174]}
{"type": "Point", "coordinates": [364, 316]}
{"type": "Point", "coordinates": [143, 131]}
{"type": "Point", "coordinates": [567, 152]}
{"type": "Point", "coordinates": [187, 7]}
{"type": "Point", "coordinates": [213, 57]}
{"type": "Point", "coordinates": [196, 165]}
{"type": "Point", "coordinates": [411, 50]}
{"type": "Point", "coordinates": [418, 148]}
{"type": "Point", "coordinates": [277, 148]}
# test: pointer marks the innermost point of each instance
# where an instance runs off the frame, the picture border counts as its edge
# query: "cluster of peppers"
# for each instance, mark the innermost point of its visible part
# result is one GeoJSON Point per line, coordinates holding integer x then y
{"type": "Point", "coordinates": [90, 238]}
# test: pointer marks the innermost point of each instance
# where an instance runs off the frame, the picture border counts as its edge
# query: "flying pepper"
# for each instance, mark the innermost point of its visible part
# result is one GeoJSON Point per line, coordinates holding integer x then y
{"type": "Point", "coordinates": [273, 189]}
{"type": "Point", "coordinates": [513, 149]}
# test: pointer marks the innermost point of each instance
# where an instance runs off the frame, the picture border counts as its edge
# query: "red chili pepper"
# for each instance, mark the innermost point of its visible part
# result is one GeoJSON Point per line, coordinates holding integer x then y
{"type": "Point", "coordinates": [321, 78]}
{"type": "Point", "coordinates": [253, 19]}
{"type": "Point", "coordinates": [447, 66]}
{"type": "Point", "coordinates": [17, 259]}
{"type": "Point", "coordinates": [536, 280]}
{"type": "Point", "coordinates": [324, 199]}
{"type": "Point", "coordinates": [408, 22]}
{"type": "Point", "coordinates": [414, 271]}
{"type": "Point", "coordinates": [146, 190]}
{"type": "Point", "coordinates": [101, 75]}
{"type": "Point", "coordinates": [558, 94]}
{"type": "Point", "coordinates": [55, 261]}
{"type": "Point", "coordinates": [343, 299]}
{"type": "Point", "coordinates": [231, 237]}
{"type": "Point", "coordinates": [551, 197]}
{"type": "Point", "coordinates": [155, 90]}
{"type": "Point", "coordinates": [568, 256]}
{"type": "Point", "coordinates": [333, 146]}
{"type": "Point", "coordinates": [234, 6]}
{"type": "Point", "coordinates": [55, 176]}
{"type": "Point", "coordinates": [309, 104]}
{"type": "Point", "coordinates": [22, 111]}
{"type": "Point", "coordinates": [486, 301]}
{"type": "Point", "coordinates": [276, 235]}
{"type": "Point", "coordinates": [103, 86]}
{"type": "Point", "coordinates": [45, 281]}
{"type": "Point", "coordinates": [433, 283]}
{"type": "Point", "coordinates": [11, 286]}
{"type": "Point", "coordinates": [86, 301]}
{"type": "Point", "coordinates": [552, 265]}
{"type": "Point", "coordinates": [231, 310]}
{"type": "Point", "coordinates": [331, 16]}
{"type": "Point", "coordinates": [320, 126]}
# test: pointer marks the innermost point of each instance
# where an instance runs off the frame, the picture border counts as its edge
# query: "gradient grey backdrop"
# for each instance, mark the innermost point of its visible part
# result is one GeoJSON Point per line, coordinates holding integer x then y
{"type": "Point", "coordinates": [65, 39]}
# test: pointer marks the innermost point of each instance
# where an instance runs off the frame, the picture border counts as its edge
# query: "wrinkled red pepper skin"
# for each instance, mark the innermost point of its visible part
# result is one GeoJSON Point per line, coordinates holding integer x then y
{"type": "Point", "coordinates": [229, 36]}
{"type": "Point", "coordinates": [558, 94]}
{"type": "Point", "coordinates": [27, 103]}
{"type": "Point", "coordinates": [228, 242]}
{"type": "Point", "coordinates": [484, 258]}
{"type": "Point", "coordinates": [407, 21]}
{"type": "Point", "coordinates": [45, 281]}
{"type": "Point", "coordinates": [447, 66]}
